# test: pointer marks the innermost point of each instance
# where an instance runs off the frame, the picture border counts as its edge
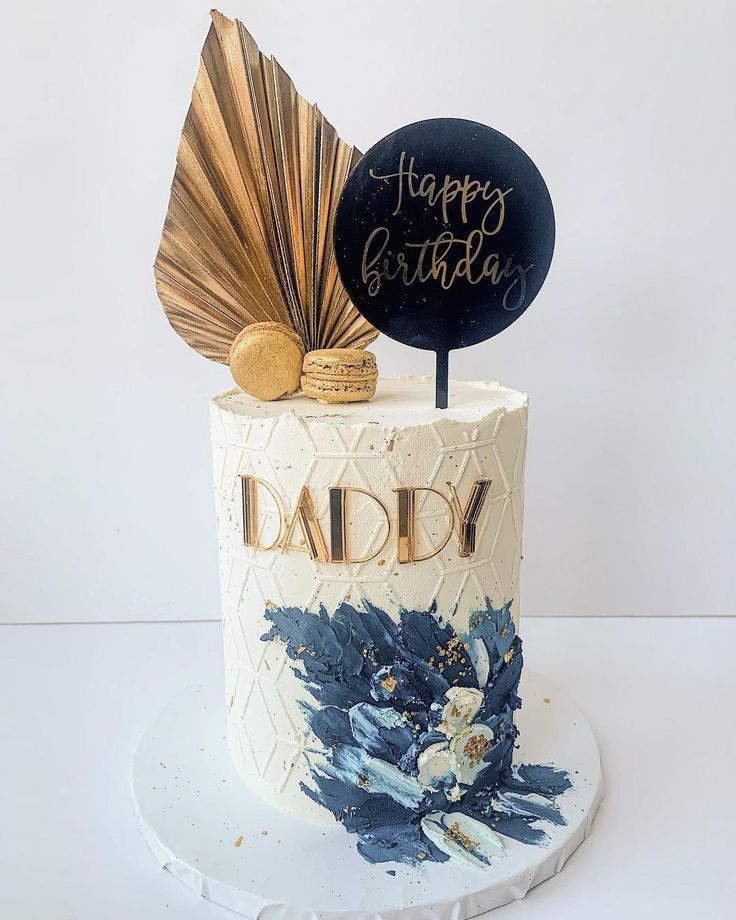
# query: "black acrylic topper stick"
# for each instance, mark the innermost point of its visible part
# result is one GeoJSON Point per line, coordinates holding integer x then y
{"type": "Point", "coordinates": [443, 236]}
{"type": "Point", "coordinates": [441, 378]}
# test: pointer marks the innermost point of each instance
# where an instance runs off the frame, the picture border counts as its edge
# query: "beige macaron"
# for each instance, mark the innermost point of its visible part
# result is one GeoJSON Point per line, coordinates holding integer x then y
{"type": "Point", "coordinates": [266, 360]}
{"type": "Point", "coordinates": [339, 375]}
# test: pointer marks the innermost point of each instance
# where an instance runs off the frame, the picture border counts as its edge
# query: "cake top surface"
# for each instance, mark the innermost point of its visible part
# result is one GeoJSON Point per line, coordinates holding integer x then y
{"type": "Point", "coordinates": [408, 401]}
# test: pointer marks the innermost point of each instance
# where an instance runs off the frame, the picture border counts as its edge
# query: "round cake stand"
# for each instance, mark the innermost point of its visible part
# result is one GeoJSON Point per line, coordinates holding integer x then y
{"type": "Point", "coordinates": [205, 826]}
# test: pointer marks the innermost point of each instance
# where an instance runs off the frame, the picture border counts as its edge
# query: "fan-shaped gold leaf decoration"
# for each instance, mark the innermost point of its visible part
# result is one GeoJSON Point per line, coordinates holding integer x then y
{"type": "Point", "coordinates": [248, 231]}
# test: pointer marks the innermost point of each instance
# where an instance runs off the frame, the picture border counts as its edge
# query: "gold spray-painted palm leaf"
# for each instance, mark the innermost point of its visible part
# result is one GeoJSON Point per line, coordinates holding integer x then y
{"type": "Point", "coordinates": [248, 232]}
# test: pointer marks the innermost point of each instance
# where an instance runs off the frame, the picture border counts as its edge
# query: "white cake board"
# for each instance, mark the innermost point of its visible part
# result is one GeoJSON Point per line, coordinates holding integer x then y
{"type": "Point", "coordinates": [192, 807]}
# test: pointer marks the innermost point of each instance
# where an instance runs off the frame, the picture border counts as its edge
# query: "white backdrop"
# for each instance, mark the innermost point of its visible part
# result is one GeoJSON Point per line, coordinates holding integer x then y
{"type": "Point", "coordinates": [628, 109]}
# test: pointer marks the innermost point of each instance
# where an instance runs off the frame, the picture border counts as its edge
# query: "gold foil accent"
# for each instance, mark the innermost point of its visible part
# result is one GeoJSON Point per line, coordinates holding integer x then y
{"type": "Point", "coordinates": [455, 834]}
{"type": "Point", "coordinates": [339, 550]}
{"type": "Point", "coordinates": [249, 491]}
{"type": "Point", "coordinates": [475, 748]}
{"type": "Point", "coordinates": [406, 516]}
{"type": "Point", "coordinates": [467, 517]}
{"type": "Point", "coordinates": [306, 515]}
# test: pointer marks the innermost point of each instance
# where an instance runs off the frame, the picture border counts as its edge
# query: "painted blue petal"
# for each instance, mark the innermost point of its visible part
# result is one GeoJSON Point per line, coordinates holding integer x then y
{"type": "Point", "coordinates": [518, 828]}
{"type": "Point", "coordinates": [383, 732]}
{"type": "Point", "coordinates": [330, 724]}
{"type": "Point", "coordinates": [359, 811]}
{"type": "Point", "coordinates": [495, 629]}
{"type": "Point", "coordinates": [540, 778]}
{"type": "Point", "coordinates": [502, 690]}
{"type": "Point", "coordinates": [530, 805]}
{"type": "Point", "coordinates": [353, 766]}
{"type": "Point", "coordinates": [383, 632]}
{"type": "Point", "coordinates": [434, 644]}
{"type": "Point", "coordinates": [330, 650]}
{"type": "Point", "coordinates": [402, 843]}
{"type": "Point", "coordinates": [408, 684]}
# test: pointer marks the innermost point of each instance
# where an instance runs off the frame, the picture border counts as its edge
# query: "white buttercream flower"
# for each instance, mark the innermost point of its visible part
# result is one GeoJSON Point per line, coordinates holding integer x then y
{"type": "Point", "coordinates": [461, 708]}
{"type": "Point", "coordinates": [468, 750]}
{"type": "Point", "coordinates": [455, 764]}
{"type": "Point", "coordinates": [463, 838]}
{"type": "Point", "coordinates": [436, 764]}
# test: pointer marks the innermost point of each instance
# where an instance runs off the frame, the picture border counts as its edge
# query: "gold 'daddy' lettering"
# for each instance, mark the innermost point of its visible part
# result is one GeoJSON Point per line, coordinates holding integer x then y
{"type": "Point", "coordinates": [249, 494]}
{"type": "Point", "coordinates": [468, 516]}
{"type": "Point", "coordinates": [306, 516]}
{"type": "Point", "coordinates": [313, 543]}
{"type": "Point", "coordinates": [339, 550]}
{"type": "Point", "coordinates": [406, 516]}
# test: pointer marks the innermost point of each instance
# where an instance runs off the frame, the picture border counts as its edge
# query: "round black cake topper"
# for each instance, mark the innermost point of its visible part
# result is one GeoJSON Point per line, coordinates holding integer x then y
{"type": "Point", "coordinates": [443, 235]}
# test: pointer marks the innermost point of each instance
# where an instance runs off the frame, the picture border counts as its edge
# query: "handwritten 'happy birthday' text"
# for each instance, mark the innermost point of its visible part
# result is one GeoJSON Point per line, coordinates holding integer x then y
{"type": "Point", "coordinates": [448, 257]}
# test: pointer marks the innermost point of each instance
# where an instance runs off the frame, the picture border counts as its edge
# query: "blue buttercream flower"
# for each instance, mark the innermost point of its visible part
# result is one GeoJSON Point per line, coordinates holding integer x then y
{"type": "Point", "coordinates": [416, 724]}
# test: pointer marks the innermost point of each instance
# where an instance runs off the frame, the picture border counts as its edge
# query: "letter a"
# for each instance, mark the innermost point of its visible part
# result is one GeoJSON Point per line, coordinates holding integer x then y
{"type": "Point", "coordinates": [339, 550]}
{"type": "Point", "coordinates": [306, 516]}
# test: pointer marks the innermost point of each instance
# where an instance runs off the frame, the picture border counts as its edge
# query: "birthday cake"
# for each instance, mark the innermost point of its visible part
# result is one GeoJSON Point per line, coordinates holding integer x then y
{"type": "Point", "coordinates": [369, 545]}
{"type": "Point", "coordinates": [369, 558]}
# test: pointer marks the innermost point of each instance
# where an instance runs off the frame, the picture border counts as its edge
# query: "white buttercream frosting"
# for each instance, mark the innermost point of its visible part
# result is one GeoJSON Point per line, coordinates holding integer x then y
{"type": "Point", "coordinates": [397, 440]}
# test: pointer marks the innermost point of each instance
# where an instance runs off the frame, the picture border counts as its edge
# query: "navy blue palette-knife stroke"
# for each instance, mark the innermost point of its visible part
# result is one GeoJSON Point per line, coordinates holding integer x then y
{"type": "Point", "coordinates": [443, 236]}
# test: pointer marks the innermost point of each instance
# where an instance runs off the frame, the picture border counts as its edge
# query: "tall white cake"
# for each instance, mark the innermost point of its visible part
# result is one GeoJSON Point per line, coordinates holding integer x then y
{"type": "Point", "coordinates": [369, 550]}
{"type": "Point", "coordinates": [322, 505]}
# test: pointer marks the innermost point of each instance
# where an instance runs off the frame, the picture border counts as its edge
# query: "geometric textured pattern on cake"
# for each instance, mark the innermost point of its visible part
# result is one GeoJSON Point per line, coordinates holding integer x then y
{"type": "Point", "coordinates": [267, 735]}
